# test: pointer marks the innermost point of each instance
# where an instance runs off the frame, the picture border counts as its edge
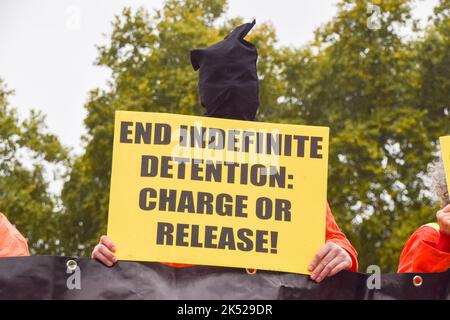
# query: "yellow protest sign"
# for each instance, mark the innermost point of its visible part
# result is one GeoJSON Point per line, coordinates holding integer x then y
{"type": "Point", "coordinates": [210, 191]}
{"type": "Point", "coordinates": [445, 149]}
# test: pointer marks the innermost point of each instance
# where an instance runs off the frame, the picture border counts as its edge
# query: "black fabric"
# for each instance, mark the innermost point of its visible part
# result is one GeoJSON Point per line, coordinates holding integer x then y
{"type": "Point", "coordinates": [228, 79]}
{"type": "Point", "coordinates": [45, 277]}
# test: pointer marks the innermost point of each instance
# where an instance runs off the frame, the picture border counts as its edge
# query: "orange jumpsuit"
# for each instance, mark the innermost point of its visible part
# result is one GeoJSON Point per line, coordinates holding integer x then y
{"type": "Point", "coordinates": [12, 243]}
{"type": "Point", "coordinates": [332, 233]}
{"type": "Point", "coordinates": [422, 251]}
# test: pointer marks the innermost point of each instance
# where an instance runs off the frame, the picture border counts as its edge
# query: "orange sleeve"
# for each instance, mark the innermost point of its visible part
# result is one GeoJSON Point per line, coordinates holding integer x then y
{"type": "Point", "coordinates": [334, 234]}
{"type": "Point", "coordinates": [12, 243]}
{"type": "Point", "coordinates": [177, 265]}
{"type": "Point", "coordinates": [420, 253]}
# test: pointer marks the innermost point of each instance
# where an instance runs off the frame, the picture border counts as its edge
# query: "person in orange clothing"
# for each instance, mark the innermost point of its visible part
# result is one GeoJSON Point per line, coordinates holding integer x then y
{"type": "Point", "coordinates": [229, 88]}
{"type": "Point", "coordinates": [12, 243]}
{"type": "Point", "coordinates": [428, 248]}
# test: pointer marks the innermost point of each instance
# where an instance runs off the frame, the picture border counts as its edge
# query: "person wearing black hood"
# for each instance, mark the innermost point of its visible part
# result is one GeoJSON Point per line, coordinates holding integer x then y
{"type": "Point", "coordinates": [229, 88]}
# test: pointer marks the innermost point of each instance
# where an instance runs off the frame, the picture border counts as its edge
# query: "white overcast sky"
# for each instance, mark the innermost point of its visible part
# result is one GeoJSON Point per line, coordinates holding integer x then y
{"type": "Point", "coordinates": [47, 47]}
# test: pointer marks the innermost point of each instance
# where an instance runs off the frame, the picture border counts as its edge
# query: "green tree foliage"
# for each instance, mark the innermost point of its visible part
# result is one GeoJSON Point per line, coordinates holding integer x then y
{"type": "Point", "coordinates": [365, 84]}
{"type": "Point", "coordinates": [382, 91]}
{"type": "Point", "coordinates": [28, 153]}
{"type": "Point", "coordinates": [433, 55]}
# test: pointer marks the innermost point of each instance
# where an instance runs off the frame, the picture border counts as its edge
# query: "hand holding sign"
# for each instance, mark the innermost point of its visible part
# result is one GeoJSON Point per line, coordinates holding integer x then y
{"type": "Point", "coordinates": [330, 260]}
{"type": "Point", "coordinates": [104, 251]}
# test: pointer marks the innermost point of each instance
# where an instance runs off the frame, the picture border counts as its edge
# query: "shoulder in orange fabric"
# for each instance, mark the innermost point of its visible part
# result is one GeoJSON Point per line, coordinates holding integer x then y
{"type": "Point", "coordinates": [420, 253]}
{"type": "Point", "coordinates": [12, 243]}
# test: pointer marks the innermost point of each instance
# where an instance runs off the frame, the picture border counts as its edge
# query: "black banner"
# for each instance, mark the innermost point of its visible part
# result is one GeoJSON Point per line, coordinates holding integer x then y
{"type": "Point", "coordinates": [46, 277]}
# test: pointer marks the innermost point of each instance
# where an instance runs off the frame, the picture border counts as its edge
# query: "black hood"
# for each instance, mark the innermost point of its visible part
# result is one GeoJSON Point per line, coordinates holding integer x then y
{"type": "Point", "coordinates": [228, 79]}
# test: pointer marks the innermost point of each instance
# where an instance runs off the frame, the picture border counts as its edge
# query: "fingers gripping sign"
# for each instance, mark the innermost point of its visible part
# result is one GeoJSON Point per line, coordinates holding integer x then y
{"type": "Point", "coordinates": [330, 260]}
{"type": "Point", "coordinates": [104, 251]}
